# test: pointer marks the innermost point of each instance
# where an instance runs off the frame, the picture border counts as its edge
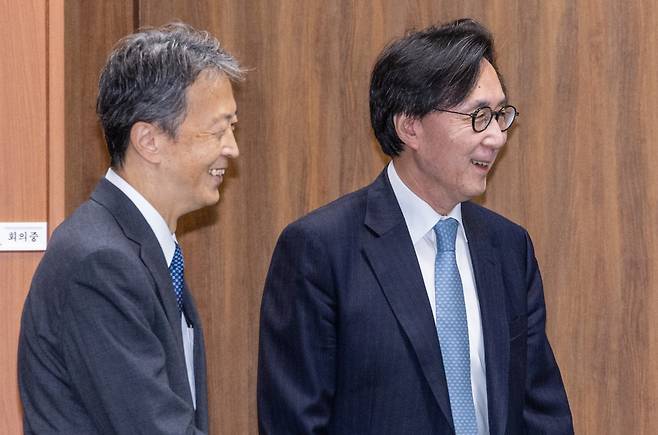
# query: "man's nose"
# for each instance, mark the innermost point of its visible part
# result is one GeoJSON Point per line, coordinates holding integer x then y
{"type": "Point", "coordinates": [496, 138]}
{"type": "Point", "coordinates": [230, 149]}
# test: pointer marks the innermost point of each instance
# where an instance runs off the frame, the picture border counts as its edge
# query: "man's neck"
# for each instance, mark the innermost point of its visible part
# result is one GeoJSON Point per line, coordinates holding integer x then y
{"type": "Point", "coordinates": [144, 181]}
{"type": "Point", "coordinates": [433, 195]}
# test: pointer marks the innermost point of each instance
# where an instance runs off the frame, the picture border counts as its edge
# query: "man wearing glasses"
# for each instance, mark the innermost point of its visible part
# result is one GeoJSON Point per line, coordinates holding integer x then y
{"type": "Point", "coordinates": [404, 308]}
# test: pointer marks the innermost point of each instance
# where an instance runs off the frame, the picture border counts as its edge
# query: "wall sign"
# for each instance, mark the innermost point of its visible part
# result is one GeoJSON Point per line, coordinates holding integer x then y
{"type": "Point", "coordinates": [23, 236]}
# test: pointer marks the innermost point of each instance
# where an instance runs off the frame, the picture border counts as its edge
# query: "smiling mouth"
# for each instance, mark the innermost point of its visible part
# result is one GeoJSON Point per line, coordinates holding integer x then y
{"type": "Point", "coordinates": [217, 172]}
{"type": "Point", "coordinates": [481, 164]}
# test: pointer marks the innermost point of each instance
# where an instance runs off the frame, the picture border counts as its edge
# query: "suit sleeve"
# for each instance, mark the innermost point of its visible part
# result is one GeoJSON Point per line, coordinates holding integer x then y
{"type": "Point", "coordinates": [297, 350]}
{"type": "Point", "coordinates": [116, 361]}
{"type": "Point", "coordinates": [546, 406]}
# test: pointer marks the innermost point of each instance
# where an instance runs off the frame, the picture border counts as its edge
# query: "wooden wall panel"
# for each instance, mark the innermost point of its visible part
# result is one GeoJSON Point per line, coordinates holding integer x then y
{"type": "Point", "coordinates": [23, 111]}
{"type": "Point", "coordinates": [578, 174]}
{"type": "Point", "coordinates": [56, 115]}
{"type": "Point", "coordinates": [23, 186]}
{"type": "Point", "coordinates": [91, 30]}
{"type": "Point", "coordinates": [577, 170]}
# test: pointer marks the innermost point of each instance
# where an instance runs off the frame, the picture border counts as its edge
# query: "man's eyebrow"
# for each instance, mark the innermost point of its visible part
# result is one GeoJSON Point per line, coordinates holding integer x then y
{"type": "Point", "coordinates": [482, 103]}
{"type": "Point", "coordinates": [502, 102]}
{"type": "Point", "coordinates": [228, 117]}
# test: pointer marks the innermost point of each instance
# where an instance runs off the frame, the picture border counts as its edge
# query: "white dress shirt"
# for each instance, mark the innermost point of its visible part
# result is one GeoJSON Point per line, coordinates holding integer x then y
{"type": "Point", "coordinates": [421, 218]}
{"type": "Point", "coordinates": [167, 242]}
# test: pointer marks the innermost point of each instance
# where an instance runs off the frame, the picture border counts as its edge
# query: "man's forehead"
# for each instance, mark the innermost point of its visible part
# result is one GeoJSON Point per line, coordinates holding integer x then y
{"type": "Point", "coordinates": [210, 100]}
{"type": "Point", "coordinates": [488, 89]}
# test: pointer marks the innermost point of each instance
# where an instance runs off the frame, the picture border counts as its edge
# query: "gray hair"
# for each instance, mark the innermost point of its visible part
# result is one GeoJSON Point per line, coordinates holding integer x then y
{"type": "Point", "coordinates": [146, 78]}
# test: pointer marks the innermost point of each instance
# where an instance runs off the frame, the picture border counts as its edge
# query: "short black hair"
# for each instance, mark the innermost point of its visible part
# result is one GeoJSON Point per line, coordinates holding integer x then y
{"type": "Point", "coordinates": [434, 68]}
{"type": "Point", "coordinates": [146, 78]}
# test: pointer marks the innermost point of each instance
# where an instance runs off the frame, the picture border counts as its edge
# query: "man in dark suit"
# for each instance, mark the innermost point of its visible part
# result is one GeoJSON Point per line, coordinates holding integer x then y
{"type": "Point", "coordinates": [403, 308]}
{"type": "Point", "coordinates": [111, 341]}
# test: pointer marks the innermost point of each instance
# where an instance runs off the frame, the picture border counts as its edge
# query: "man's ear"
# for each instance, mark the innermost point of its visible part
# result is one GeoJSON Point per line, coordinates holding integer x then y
{"type": "Point", "coordinates": [145, 140]}
{"type": "Point", "coordinates": [407, 129]}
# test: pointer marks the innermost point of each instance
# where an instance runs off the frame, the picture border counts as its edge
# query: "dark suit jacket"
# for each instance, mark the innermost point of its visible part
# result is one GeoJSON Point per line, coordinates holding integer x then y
{"type": "Point", "coordinates": [348, 343]}
{"type": "Point", "coordinates": [101, 349]}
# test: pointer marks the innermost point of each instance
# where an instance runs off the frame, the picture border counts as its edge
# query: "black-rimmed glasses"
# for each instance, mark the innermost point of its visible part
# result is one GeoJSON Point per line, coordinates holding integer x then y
{"type": "Point", "coordinates": [481, 118]}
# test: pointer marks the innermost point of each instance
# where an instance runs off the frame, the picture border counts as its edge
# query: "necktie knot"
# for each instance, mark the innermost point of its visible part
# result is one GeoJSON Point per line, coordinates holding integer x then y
{"type": "Point", "coordinates": [446, 234]}
{"type": "Point", "coordinates": [176, 270]}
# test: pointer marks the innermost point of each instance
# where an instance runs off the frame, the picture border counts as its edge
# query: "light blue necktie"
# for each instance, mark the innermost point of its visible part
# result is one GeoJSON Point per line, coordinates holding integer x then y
{"type": "Point", "coordinates": [176, 271]}
{"type": "Point", "coordinates": [452, 328]}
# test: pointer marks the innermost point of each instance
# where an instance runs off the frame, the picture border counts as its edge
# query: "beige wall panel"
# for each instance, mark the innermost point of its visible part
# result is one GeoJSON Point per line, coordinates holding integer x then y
{"type": "Point", "coordinates": [23, 174]}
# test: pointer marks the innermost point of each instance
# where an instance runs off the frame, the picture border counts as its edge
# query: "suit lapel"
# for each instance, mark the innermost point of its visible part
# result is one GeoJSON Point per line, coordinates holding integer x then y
{"type": "Point", "coordinates": [495, 328]}
{"type": "Point", "coordinates": [393, 260]}
{"type": "Point", "coordinates": [138, 230]}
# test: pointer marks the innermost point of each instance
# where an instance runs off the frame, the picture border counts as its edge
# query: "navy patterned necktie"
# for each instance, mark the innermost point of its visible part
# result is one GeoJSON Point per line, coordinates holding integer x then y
{"type": "Point", "coordinates": [452, 328]}
{"type": "Point", "coordinates": [176, 269]}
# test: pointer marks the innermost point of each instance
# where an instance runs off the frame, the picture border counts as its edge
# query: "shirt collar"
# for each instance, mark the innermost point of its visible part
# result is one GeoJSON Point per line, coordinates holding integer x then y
{"type": "Point", "coordinates": [155, 220]}
{"type": "Point", "coordinates": [419, 215]}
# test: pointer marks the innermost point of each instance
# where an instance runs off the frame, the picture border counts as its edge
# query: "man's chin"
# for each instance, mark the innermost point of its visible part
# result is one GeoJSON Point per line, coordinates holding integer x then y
{"type": "Point", "coordinates": [208, 200]}
{"type": "Point", "coordinates": [216, 197]}
{"type": "Point", "coordinates": [476, 191]}
{"type": "Point", "coordinates": [212, 200]}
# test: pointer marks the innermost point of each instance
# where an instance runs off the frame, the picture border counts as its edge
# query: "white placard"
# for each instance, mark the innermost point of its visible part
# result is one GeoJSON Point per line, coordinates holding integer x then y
{"type": "Point", "coordinates": [23, 236]}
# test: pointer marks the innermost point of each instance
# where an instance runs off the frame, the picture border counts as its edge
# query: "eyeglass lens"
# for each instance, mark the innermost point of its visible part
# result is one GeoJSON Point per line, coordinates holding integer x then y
{"type": "Point", "coordinates": [505, 117]}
